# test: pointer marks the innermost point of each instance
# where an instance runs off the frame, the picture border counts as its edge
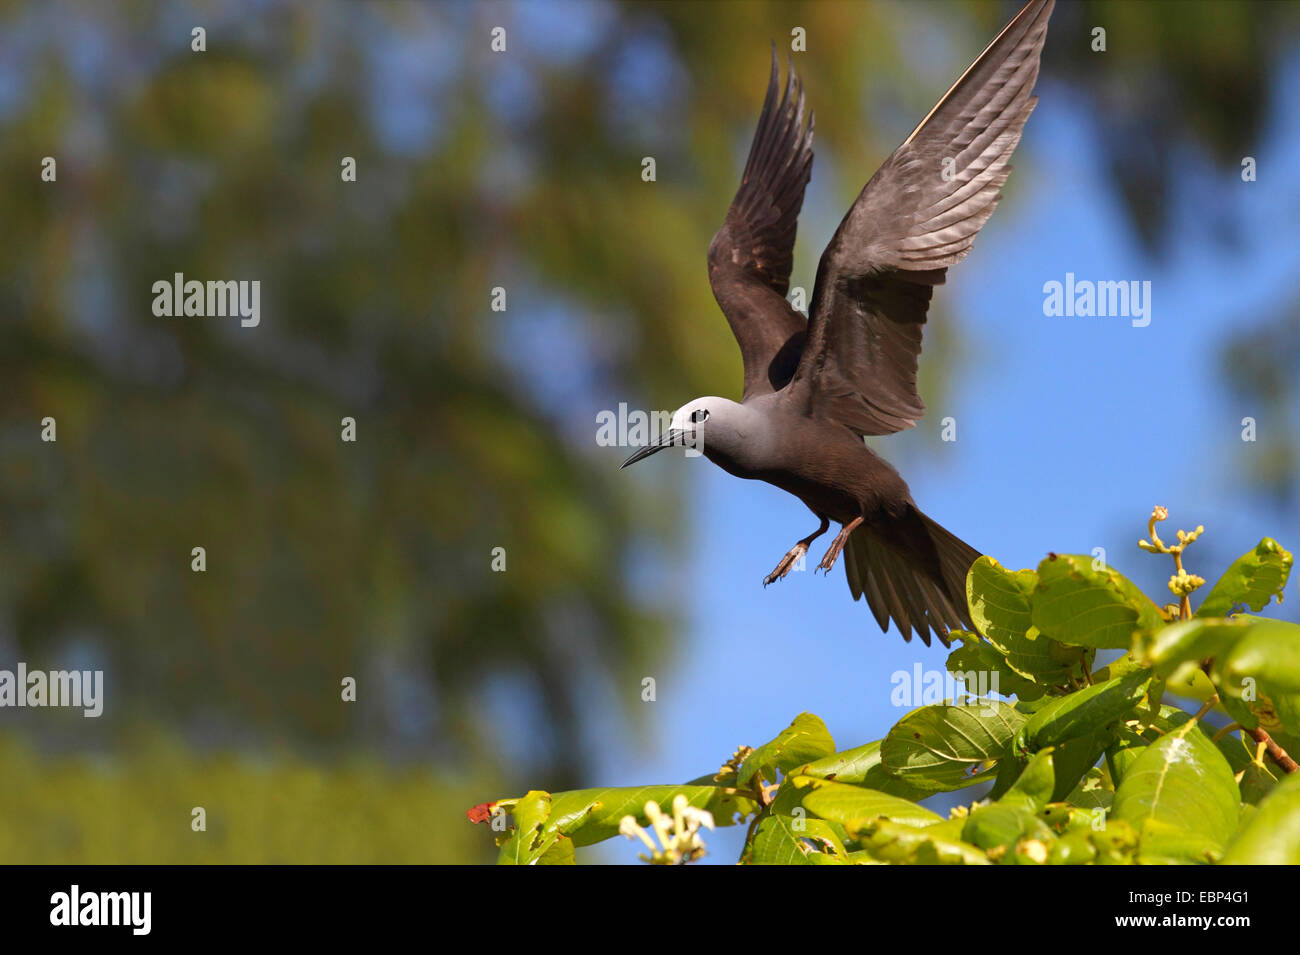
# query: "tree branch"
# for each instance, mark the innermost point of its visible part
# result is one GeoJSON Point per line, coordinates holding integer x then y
{"type": "Point", "coordinates": [1280, 756]}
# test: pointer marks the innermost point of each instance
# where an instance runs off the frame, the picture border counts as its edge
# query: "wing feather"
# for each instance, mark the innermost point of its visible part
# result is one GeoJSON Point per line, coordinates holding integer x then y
{"type": "Point", "coordinates": [750, 257]}
{"type": "Point", "coordinates": [917, 216]}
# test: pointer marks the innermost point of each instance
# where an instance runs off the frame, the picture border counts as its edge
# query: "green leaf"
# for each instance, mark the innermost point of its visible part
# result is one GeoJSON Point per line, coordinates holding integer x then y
{"type": "Point", "coordinates": [1272, 835]}
{"type": "Point", "coordinates": [1092, 792]}
{"type": "Point", "coordinates": [1188, 642]}
{"type": "Point", "coordinates": [1165, 844]}
{"type": "Point", "coordinates": [942, 747]}
{"type": "Point", "coordinates": [781, 834]}
{"type": "Point", "coordinates": [978, 656]}
{"type": "Point", "coordinates": [1270, 652]}
{"type": "Point", "coordinates": [1075, 603]}
{"type": "Point", "coordinates": [1171, 718]}
{"type": "Point", "coordinates": [892, 842]}
{"type": "Point", "coordinates": [861, 766]}
{"type": "Point", "coordinates": [526, 843]}
{"type": "Point", "coordinates": [1009, 768]}
{"type": "Point", "coordinates": [1121, 665]}
{"type": "Point", "coordinates": [1287, 708]}
{"type": "Point", "coordinates": [851, 805]}
{"type": "Point", "coordinates": [999, 602]}
{"type": "Point", "coordinates": [1278, 715]}
{"type": "Point", "coordinates": [1085, 712]}
{"type": "Point", "coordinates": [1253, 580]}
{"type": "Point", "coordinates": [776, 843]}
{"type": "Point", "coordinates": [803, 741]}
{"type": "Point", "coordinates": [560, 853]}
{"type": "Point", "coordinates": [1127, 747]}
{"type": "Point", "coordinates": [1015, 815]}
{"type": "Point", "coordinates": [1033, 789]}
{"type": "Point", "coordinates": [1078, 756]}
{"type": "Point", "coordinates": [1181, 781]}
{"type": "Point", "coordinates": [997, 825]}
{"type": "Point", "coordinates": [1259, 677]}
{"type": "Point", "coordinates": [1254, 780]}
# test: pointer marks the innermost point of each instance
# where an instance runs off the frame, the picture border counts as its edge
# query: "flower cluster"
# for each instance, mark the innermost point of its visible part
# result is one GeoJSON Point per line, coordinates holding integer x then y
{"type": "Point", "coordinates": [1181, 584]}
{"type": "Point", "coordinates": [679, 836]}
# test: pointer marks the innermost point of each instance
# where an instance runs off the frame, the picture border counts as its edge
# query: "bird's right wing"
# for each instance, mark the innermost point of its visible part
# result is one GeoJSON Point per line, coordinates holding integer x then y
{"type": "Point", "coordinates": [751, 255]}
{"type": "Point", "coordinates": [918, 215]}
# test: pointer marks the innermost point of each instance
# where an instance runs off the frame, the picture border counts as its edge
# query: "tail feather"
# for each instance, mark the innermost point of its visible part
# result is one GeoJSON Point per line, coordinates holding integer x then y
{"type": "Point", "coordinates": [912, 572]}
{"type": "Point", "coordinates": [955, 559]}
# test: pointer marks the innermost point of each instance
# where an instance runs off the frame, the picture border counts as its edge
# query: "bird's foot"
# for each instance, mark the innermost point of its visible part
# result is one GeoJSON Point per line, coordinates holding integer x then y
{"type": "Point", "coordinates": [837, 545]}
{"type": "Point", "coordinates": [795, 554]}
{"type": "Point", "coordinates": [832, 554]}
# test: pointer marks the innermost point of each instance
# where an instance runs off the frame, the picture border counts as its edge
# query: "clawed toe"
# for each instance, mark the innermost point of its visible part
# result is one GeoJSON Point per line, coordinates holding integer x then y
{"type": "Point", "coordinates": [828, 561]}
{"type": "Point", "coordinates": [837, 545]}
{"type": "Point", "coordinates": [795, 554]}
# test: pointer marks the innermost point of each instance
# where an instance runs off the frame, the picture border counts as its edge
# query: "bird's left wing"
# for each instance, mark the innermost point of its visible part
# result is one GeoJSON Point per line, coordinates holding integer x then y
{"type": "Point", "coordinates": [918, 215]}
{"type": "Point", "coordinates": [751, 255]}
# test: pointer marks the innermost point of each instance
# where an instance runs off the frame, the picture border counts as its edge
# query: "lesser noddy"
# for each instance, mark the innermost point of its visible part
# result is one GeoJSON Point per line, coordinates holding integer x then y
{"type": "Point", "coordinates": [814, 387]}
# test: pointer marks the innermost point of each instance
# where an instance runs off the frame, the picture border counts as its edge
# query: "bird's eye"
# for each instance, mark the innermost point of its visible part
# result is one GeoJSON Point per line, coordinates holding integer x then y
{"type": "Point", "coordinates": [698, 416]}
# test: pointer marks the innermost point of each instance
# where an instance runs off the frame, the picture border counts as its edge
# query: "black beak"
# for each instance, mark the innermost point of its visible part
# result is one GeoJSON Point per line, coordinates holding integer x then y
{"type": "Point", "coordinates": [666, 440]}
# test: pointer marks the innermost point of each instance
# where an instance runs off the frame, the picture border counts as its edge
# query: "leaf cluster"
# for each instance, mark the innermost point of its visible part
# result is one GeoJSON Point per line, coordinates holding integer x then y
{"type": "Point", "coordinates": [1087, 766]}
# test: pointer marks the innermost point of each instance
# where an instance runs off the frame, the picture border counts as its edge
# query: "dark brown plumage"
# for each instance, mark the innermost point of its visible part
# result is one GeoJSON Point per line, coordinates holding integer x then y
{"type": "Point", "coordinates": [813, 388]}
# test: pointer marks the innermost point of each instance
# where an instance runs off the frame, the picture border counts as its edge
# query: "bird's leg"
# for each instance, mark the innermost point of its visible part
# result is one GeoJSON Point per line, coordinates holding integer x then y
{"type": "Point", "coordinates": [796, 553]}
{"type": "Point", "coordinates": [837, 545]}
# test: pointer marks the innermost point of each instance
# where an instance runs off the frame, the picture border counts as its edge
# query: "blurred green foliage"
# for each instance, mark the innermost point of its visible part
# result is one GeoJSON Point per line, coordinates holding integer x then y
{"type": "Point", "coordinates": [138, 810]}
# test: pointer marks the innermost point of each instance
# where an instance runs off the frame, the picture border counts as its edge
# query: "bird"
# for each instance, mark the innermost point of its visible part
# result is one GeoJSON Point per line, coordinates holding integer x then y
{"type": "Point", "coordinates": [815, 387]}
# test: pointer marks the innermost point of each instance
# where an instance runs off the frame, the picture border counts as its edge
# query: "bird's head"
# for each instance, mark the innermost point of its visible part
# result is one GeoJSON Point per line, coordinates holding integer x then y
{"type": "Point", "coordinates": [703, 425]}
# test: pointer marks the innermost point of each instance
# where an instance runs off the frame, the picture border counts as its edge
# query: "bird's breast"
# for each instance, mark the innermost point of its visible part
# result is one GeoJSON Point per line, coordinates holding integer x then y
{"type": "Point", "coordinates": [825, 465]}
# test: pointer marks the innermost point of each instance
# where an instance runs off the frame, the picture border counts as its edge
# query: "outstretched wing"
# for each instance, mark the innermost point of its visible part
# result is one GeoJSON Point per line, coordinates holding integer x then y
{"type": "Point", "coordinates": [918, 215]}
{"type": "Point", "coordinates": [751, 255]}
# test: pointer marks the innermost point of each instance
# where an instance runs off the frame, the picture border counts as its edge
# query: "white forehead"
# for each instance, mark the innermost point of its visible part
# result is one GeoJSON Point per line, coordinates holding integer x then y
{"type": "Point", "coordinates": [711, 403]}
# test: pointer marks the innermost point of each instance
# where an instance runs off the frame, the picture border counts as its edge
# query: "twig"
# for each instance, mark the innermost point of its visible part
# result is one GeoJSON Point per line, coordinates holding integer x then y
{"type": "Point", "coordinates": [1230, 728]}
{"type": "Point", "coordinates": [1259, 735]}
{"type": "Point", "coordinates": [1207, 706]}
{"type": "Point", "coordinates": [1280, 756]}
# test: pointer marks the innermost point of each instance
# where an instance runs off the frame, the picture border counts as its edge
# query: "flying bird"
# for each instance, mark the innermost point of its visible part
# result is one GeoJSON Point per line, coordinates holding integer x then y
{"type": "Point", "coordinates": [815, 386]}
